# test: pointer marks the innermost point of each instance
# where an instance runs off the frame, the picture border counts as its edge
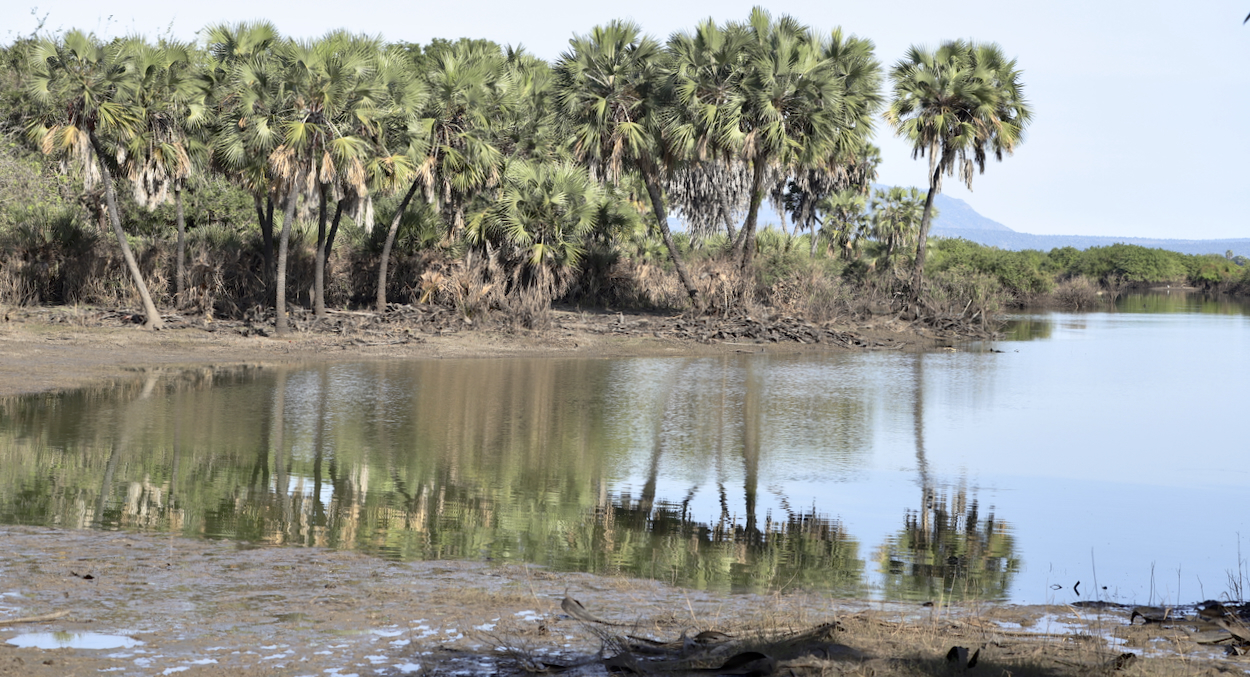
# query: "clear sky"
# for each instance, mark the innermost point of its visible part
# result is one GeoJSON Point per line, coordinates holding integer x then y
{"type": "Point", "coordinates": [1142, 122]}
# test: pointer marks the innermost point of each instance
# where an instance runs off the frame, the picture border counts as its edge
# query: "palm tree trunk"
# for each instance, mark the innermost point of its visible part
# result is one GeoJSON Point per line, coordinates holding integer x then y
{"type": "Point", "coordinates": [390, 241]}
{"type": "Point", "coordinates": [284, 240]}
{"type": "Point", "coordinates": [729, 226]}
{"type": "Point", "coordinates": [661, 217]}
{"type": "Point", "coordinates": [812, 227]}
{"type": "Point", "coordinates": [319, 267]}
{"type": "Point", "coordinates": [745, 245]}
{"type": "Point", "coordinates": [934, 183]}
{"type": "Point", "coordinates": [264, 215]}
{"type": "Point", "coordinates": [152, 318]}
{"type": "Point", "coordinates": [180, 268]}
{"type": "Point", "coordinates": [334, 231]}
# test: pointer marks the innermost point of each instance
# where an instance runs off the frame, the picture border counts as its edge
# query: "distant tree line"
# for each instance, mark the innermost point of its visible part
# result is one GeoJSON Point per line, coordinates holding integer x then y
{"type": "Point", "coordinates": [515, 181]}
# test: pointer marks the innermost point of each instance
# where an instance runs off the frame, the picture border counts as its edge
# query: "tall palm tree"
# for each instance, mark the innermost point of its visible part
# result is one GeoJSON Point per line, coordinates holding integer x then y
{"type": "Point", "coordinates": [170, 141]}
{"type": "Point", "coordinates": [791, 109]}
{"type": "Point", "coordinates": [956, 105]}
{"type": "Point", "coordinates": [401, 157]}
{"type": "Point", "coordinates": [244, 97]}
{"type": "Point", "coordinates": [711, 188]}
{"type": "Point", "coordinates": [467, 94]}
{"type": "Point", "coordinates": [87, 90]}
{"type": "Point", "coordinates": [611, 86]}
{"type": "Point", "coordinates": [327, 94]}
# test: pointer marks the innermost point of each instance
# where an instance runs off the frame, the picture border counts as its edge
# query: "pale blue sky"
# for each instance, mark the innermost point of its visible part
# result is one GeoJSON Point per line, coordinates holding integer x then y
{"type": "Point", "coordinates": [1142, 120]}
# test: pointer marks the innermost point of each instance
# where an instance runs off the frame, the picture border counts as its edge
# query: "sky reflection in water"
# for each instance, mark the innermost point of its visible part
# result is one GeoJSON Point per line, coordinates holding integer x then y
{"type": "Point", "coordinates": [1100, 445]}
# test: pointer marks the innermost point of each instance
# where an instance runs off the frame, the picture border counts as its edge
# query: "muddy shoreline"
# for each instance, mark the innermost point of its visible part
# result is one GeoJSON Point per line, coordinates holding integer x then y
{"type": "Point", "coordinates": [48, 349]}
{"type": "Point", "coordinates": [208, 607]}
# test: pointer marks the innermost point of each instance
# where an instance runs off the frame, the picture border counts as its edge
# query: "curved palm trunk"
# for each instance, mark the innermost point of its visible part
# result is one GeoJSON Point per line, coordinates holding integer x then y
{"type": "Point", "coordinates": [935, 182]}
{"type": "Point", "coordinates": [180, 269]}
{"type": "Point", "coordinates": [153, 318]}
{"type": "Point", "coordinates": [661, 217]}
{"type": "Point", "coordinates": [284, 240]}
{"type": "Point", "coordinates": [390, 241]}
{"type": "Point", "coordinates": [744, 247]}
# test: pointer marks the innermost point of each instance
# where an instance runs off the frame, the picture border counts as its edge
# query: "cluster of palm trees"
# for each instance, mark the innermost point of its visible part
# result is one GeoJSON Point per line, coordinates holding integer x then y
{"type": "Point", "coordinates": [521, 161]}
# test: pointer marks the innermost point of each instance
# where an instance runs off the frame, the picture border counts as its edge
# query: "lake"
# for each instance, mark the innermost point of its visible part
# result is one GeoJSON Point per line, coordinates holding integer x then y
{"type": "Point", "coordinates": [1105, 449]}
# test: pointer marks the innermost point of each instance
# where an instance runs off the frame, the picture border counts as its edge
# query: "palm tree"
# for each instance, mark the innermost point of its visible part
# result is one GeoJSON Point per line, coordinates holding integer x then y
{"type": "Point", "coordinates": [852, 161]}
{"type": "Point", "coordinates": [466, 85]}
{"type": "Point", "coordinates": [87, 90]}
{"type": "Point", "coordinates": [843, 219]}
{"type": "Point", "coordinates": [710, 196]}
{"type": "Point", "coordinates": [611, 90]}
{"type": "Point", "coordinates": [401, 155]}
{"type": "Point", "coordinates": [544, 214]}
{"type": "Point", "coordinates": [169, 143]}
{"type": "Point", "coordinates": [327, 94]}
{"type": "Point", "coordinates": [896, 216]}
{"type": "Point", "coordinates": [459, 99]}
{"type": "Point", "coordinates": [956, 104]}
{"type": "Point", "coordinates": [243, 88]}
{"type": "Point", "coordinates": [792, 106]}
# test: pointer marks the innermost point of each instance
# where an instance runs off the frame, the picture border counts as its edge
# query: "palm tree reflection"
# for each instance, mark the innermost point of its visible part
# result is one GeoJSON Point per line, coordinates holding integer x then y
{"type": "Point", "coordinates": [945, 549]}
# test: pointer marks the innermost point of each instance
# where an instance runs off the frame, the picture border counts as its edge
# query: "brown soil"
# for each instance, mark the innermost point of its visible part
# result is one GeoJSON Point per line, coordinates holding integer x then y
{"type": "Point", "coordinates": [44, 349]}
{"type": "Point", "coordinates": [212, 607]}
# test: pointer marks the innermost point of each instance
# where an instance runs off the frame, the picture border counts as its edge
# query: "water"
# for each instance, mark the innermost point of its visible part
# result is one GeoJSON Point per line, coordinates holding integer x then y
{"type": "Point", "coordinates": [1104, 448]}
{"type": "Point", "coordinates": [72, 640]}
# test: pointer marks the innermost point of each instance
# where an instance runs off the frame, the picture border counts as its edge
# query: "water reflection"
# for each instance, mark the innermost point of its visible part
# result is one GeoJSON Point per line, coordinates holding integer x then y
{"type": "Point", "coordinates": [1182, 301]}
{"type": "Point", "coordinates": [709, 472]}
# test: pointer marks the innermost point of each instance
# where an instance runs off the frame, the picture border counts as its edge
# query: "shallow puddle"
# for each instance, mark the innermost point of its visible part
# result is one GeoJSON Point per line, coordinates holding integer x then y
{"type": "Point", "coordinates": [72, 640]}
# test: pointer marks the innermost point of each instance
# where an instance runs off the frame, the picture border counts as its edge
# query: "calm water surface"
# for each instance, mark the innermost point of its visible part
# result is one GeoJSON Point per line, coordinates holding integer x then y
{"type": "Point", "coordinates": [1105, 448]}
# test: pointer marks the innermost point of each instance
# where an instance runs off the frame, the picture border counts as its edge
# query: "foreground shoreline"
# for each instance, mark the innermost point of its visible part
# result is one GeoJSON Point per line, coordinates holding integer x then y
{"type": "Point", "coordinates": [200, 606]}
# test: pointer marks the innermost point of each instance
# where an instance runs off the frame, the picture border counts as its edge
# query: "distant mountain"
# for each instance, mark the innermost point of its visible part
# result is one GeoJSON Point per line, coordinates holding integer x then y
{"type": "Point", "coordinates": [955, 214]}
{"type": "Point", "coordinates": [957, 218]}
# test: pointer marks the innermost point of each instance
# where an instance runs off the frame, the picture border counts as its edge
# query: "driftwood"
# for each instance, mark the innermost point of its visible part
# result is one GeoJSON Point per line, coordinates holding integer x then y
{"type": "Point", "coordinates": [35, 619]}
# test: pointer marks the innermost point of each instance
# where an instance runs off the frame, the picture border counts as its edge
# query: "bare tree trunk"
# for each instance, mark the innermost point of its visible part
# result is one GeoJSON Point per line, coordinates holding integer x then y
{"type": "Point", "coordinates": [319, 267]}
{"type": "Point", "coordinates": [781, 214]}
{"type": "Point", "coordinates": [264, 215]}
{"type": "Point", "coordinates": [180, 268]}
{"type": "Point", "coordinates": [745, 245]}
{"type": "Point", "coordinates": [284, 240]}
{"type": "Point", "coordinates": [152, 318]}
{"type": "Point", "coordinates": [661, 217]}
{"type": "Point", "coordinates": [390, 241]}
{"type": "Point", "coordinates": [918, 278]}
{"type": "Point", "coordinates": [812, 227]}
{"type": "Point", "coordinates": [334, 231]}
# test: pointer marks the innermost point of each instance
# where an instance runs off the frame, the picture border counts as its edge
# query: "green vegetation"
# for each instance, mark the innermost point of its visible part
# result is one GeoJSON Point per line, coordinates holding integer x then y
{"type": "Point", "coordinates": [219, 178]}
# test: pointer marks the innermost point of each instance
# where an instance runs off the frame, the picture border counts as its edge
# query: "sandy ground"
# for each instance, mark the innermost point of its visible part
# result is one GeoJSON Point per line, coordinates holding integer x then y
{"type": "Point", "coordinates": [152, 604]}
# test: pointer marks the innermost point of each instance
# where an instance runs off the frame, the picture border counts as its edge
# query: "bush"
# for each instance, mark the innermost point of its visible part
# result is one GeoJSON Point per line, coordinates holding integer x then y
{"type": "Point", "coordinates": [1130, 263]}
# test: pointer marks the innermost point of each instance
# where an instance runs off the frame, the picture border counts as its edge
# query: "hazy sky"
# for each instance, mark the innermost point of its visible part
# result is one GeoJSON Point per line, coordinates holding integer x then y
{"type": "Point", "coordinates": [1142, 109]}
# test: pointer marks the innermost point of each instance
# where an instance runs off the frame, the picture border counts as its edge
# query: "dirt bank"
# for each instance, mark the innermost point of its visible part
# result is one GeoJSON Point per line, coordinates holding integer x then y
{"type": "Point", "coordinates": [44, 349]}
